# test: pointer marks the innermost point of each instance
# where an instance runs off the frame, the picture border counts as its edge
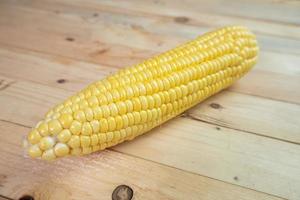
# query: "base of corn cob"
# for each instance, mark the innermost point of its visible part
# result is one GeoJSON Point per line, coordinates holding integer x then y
{"type": "Point", "coordinates": [139, 98]}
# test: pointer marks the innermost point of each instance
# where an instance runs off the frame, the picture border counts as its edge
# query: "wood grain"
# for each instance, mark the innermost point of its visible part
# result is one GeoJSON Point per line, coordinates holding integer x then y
{"type": "Point", "coordinates": [240, 144]}
{"type": "Point", "coordinates": [96, 176]}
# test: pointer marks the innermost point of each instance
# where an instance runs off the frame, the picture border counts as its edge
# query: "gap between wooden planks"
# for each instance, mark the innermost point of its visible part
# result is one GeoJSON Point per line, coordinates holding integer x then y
{"type": "Point", "coordinates": [4, 198]}
{"type": "Point", "coordinates": [260, 163]}
{"type": "Point", "coordinates": [95, 176]}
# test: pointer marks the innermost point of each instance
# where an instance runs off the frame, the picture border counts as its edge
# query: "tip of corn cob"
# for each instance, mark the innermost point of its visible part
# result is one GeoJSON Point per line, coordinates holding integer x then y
{"type": "Point", "coordinates": [137, 99]}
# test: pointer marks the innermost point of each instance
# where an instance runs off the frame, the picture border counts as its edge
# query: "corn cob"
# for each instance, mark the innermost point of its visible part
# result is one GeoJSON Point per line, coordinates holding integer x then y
{"type": "Point", "coordinates": [138, 98]}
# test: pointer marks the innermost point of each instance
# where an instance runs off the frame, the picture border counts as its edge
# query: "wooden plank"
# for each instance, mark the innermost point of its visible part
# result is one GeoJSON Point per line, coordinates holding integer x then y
{"type": "Point", "coordinates": [285, 12]}
{"type": "Point", "coordinates": [96, 176]}
{"type": "Point", "coordinates": [56, 71]}
{"type": "Point", "coordinates": [272, 85]}
{"type": "Point", "coordinates": [174, 15]}
{"type": "Point", "coordinates": [268, 78]}
{"type": "Point", "coordinates": [86, 31]}
{"type": "Point", "coordinates": [262, 164]}
{"type": "Point", "coordinates": [278, 63]}
{"type": "Point", "coordinates": [251, 114]}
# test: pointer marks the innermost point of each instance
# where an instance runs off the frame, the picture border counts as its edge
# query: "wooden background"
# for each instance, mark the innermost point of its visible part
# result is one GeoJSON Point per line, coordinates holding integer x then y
{"type": "Point", "coordinates": [240, 144]}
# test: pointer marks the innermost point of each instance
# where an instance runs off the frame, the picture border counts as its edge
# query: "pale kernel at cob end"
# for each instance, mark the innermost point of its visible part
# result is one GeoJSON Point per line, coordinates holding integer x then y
{"type": "Point", "coordinates": [139, 98]}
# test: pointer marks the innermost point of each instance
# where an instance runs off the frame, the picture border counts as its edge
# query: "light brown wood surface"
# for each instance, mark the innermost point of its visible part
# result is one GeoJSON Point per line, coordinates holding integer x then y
{"type": "Point", "coordinates": [240, 144]}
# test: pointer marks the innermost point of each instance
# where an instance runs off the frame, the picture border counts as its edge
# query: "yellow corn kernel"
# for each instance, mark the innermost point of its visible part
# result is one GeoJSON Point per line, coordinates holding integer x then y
{"type": "Point", "coordinates": [130, 117]}
{"type": "Point", "coordinates": [86, 129]}
{"type": "Point", "coordinates": [137, 106]}
{"type": "Point", "coordinates": [129, 106]}
{"type": "Point", "coordinates": [102, 137]}
{"type": "Point", "coordinates": [121, 107]}
{"type": "Point", "coordinates": [79, 115]}
{"type": "Point", "coordinates": [34, 151]}
{"type": "Point", "coordinates": [123, 134]}
{"type": "Point", "coordinates": [43, 129]}
{"type": "Point", "coordinates": [103, 125]}
{"type": "Point", "coordinates": [66, 120]}
{"type": "Point", "coordinates": [117, 136]}
{"type": "Point", "coordinates": [94, 139]}
{"type": "Point", "coordinates": [61, 149]}
{"type": "Point", "coordinates": [143, 116]}
{"type": "Point", "coordinates": [34, 136]}
{"type": "Point", "coordinates": [151, 102]}
{"type": "Point", "coordinates": [67, 110]}
{"type": "Point", "coordinates": [137, 117]}
{"type": "Point", "coordinates": [75, 127]}
{"type": "Point", "coordinates": [144, 102]}
{"type": "Point", "coordinates": [113, 109]}
{"type": "Point", "coordinates": [48, 155]}
{"type": "Point", "coordinates": [74, 141]}
{"type": "Point", "coordinates": [83, 104]}
{"type": "Point", "coordinates": [95, 126]}
{"type": "Point", "coordinates": [105, 111]}
{"type": "Point", "coordinates": [76, 152]}
{"type": "Point", "coordinates": [97, 113]}
{"type": "Point", "coordinates": [119, 122]}
{"type": "Point", "coordinates": [109, 136]}
{"type": "Point", "coordinates": [125, 121]}
{"type": "Point", "coordinates": [128, 131]}
{"type": "Point", "coordinates": [149, 115]}
{"type": "Point", "coordinates": [54, 127]}
{"type": "Point", "coordinates": [85, 141]}
{"type": "Point", "coordinates": [46, 143]}
{"type": "Point", "coordinates": [134, 131]}
{"type": "Point", "coordinates": [55, 115]}
{"type": "Point", "coordinates": [75, 107]}
{"type": "Point", "coordinates": [102, 99]}
{"type": "Point", "coordinates": [111, 123]}
{"type": "Point", "coordinates": [89, 115]}
{"type": "Point", "coordinates": [93, 101]}
{"type": "Point", "coordinates": [64, 136]}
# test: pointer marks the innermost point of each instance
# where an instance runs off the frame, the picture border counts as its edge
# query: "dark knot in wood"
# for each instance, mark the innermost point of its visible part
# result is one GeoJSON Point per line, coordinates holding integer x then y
{"type": "Point", "coordinates": [215, 105]}
{"type": "Point", "coordinates": [61, 81]}
{"type": "Point", "coordinates": [181, 20]}
{"type": "Point", "coordinates": [26, 197]}
{"type": "Point", "coordinates": [122, 192]}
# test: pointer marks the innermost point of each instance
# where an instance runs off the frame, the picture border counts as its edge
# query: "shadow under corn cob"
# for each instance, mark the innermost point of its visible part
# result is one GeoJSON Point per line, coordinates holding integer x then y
{"type": "Point", "coordinates": [139, 98]}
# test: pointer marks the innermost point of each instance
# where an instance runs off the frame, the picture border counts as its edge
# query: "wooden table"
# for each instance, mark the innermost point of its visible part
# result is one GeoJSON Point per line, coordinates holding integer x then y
{"type": "Point", "coordinates": [240, 144]}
